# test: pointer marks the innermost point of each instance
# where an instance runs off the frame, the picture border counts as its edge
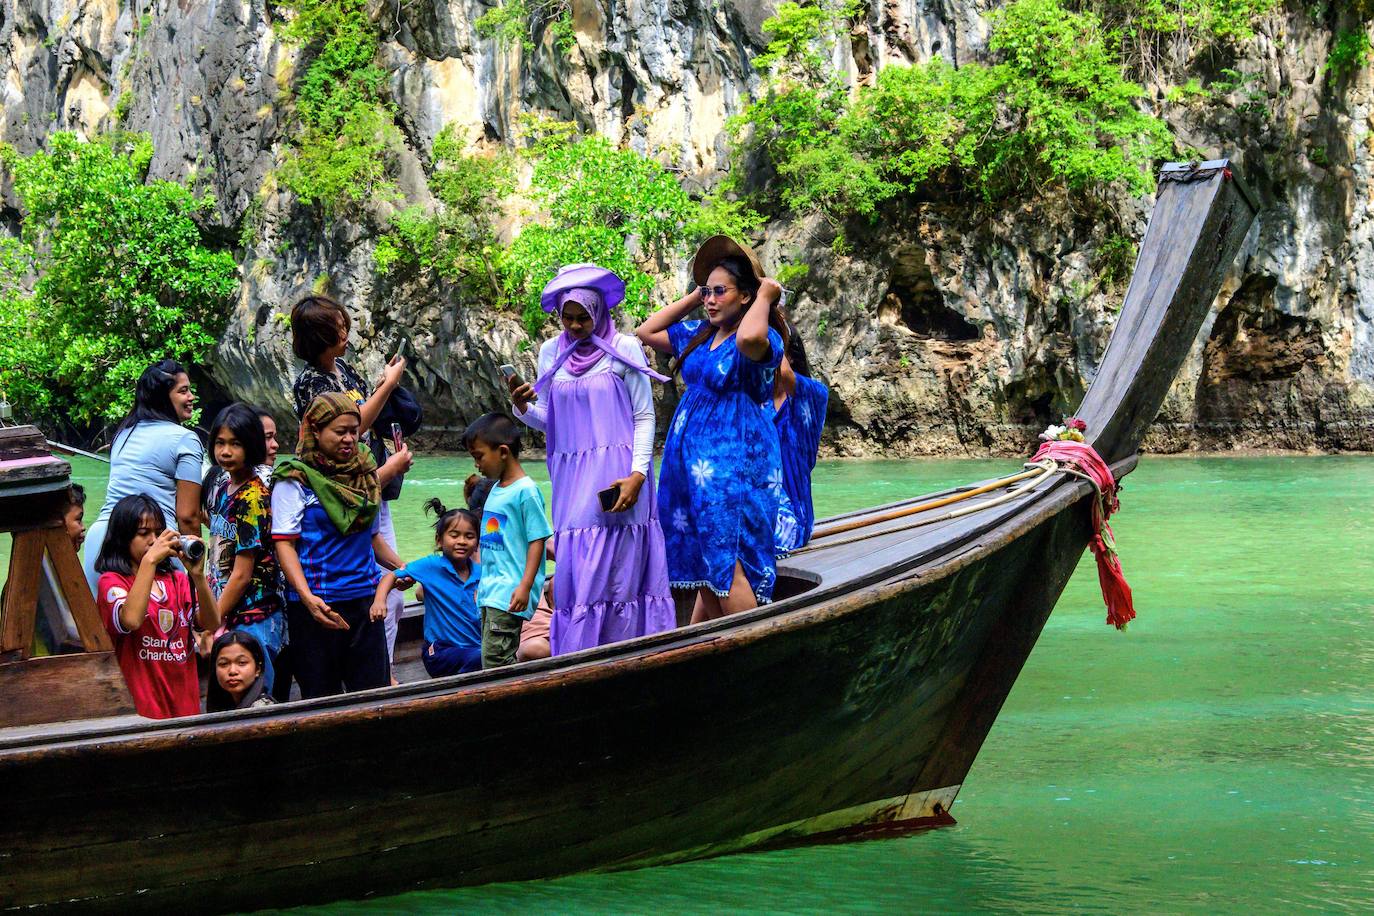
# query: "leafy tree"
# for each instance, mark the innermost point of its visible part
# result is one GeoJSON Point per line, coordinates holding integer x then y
{"type": "Point", "coordinates": [1050, 108]}
{"type": "Point", "coordinates": [1350, 51]}
{"type": "Point", "coordinates": [458, 240]}
{"type": "Point", "coordinates": [612, 206]}
{"type": "Point", "coordinates": [1157, 34]}
{"type": "Point", "coordinates": [518, 21]}
{"type": "Point", "coordinates": [340, 153]}
{"type": "Point", "coordinates": [108, 275]}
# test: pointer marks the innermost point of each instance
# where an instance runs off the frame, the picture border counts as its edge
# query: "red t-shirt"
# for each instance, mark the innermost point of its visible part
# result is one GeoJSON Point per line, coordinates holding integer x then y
{"type": "Point", "coordinates": [157, 659]}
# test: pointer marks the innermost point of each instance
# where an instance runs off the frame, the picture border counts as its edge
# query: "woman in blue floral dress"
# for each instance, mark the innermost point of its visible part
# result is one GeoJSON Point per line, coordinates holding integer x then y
{"type": "Point", "coordinates": [722, 474]}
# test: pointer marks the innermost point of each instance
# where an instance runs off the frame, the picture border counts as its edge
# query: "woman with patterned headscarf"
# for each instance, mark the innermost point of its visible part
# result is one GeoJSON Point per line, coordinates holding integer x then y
{"type": "Point", "coordinates": [593, 402]}
{"type": "Point", "coordinates": [325, 529]}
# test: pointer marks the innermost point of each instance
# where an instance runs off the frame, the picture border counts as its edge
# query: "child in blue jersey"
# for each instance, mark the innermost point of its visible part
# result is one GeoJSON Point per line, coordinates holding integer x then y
{"type": "Point", "coordinates": [453, 624]}
{"type": "Point", "coordinates": [514, 529]}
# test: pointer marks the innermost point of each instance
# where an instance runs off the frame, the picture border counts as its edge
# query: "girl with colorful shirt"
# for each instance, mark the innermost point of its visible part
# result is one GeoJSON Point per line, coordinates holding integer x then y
{"type": "Point", "coordinates": [722, 476]}
{"type": "Point", "coordinates": [149, 608]}
{"type": "Point", "coordinates": [593, 402]}
{"type": "Point", "coordinates": [243, 568]}
{"type": "Point", "coordinates": [324, 526]}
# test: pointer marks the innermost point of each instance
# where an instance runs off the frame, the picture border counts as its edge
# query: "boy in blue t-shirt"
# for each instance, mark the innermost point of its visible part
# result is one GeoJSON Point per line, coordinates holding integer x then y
{"type": "Point", "coordinates": [514, 529]}
{"type": "Point", "coordinates": [453, 624]}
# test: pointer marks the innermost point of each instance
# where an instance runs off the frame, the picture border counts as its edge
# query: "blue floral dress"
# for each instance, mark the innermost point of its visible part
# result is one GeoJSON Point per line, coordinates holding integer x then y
{"type": "Point", "coordinates": [799, 421]}
{"type": "Point", "coordinates": [722, 477]}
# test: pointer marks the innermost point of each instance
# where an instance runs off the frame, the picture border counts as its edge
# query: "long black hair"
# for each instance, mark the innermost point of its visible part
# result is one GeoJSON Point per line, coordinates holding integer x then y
{"type": "Point", "coordinates": [795, 351]}
{"type": "Point", "coordinates": [217, 699]}
{"type": "Point", "coordinates": [126, 518]}
{"type": "Point", "coordinates": [443, 516]}
{"type": "Point", "coordinates": [742, 272]}
{"type": "Point", "coordinates": [153, 396]}
{"type": "Point", "coordinates": [246, 426]}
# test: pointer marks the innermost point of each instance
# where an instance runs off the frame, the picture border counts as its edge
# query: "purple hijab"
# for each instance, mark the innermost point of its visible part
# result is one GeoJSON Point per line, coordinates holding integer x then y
{"type": "Point", "coordinates": [578, 356]}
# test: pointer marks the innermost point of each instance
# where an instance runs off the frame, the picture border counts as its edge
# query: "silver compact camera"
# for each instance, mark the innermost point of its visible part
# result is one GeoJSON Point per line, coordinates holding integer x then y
{"type": "Point", "coordinates": [192, 548]}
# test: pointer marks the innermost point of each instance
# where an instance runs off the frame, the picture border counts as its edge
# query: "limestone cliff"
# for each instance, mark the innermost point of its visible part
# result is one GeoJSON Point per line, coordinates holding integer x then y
{"type": "Point", "coordinates": [946, 331]}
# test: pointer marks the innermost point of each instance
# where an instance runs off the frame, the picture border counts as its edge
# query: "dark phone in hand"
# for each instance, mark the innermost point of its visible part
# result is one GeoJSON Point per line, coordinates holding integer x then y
{"type": "Point", "coordinates": [608, 497]}
{"type": "Point", "coordinates": [396, 438]}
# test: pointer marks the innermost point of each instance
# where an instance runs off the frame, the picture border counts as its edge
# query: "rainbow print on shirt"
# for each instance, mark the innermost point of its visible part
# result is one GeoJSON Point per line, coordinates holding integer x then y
{"type": "Point", "coordinates": [492, 525]}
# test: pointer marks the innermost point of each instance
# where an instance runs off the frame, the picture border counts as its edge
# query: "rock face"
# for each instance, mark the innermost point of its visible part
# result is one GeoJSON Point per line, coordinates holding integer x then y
{"type": "Point", "coordinates": [942, 332]}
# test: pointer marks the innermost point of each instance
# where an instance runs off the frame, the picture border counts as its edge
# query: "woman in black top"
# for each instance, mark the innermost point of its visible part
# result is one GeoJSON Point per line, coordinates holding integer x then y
{"type": "Point", "coordinates": [319, 336]}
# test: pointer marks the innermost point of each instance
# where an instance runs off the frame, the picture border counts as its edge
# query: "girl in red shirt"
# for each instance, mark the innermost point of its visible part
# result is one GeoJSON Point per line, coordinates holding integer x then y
{"type": "Point", "coordinates": [148, 608]}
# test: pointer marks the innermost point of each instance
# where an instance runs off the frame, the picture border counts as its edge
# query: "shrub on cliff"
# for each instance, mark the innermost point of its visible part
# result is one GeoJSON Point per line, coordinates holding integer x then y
{"type": "Point", "coordinates": [339, 154]}
{"type": "Point", "coordinates": [1049, 108]}
{"type": "Point", "coordinates": [457, 240]}
{"type": "Point", "coordinates": [616, 207]}
{"type": "Point", "coordinates": [109, 274]}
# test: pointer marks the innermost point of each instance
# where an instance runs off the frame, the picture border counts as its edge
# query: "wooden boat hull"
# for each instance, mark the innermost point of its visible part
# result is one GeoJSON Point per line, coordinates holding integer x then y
{"type": "Point", "coordinates": [821, 721]}
{"type": "Point", "coordinates": [858, 706]}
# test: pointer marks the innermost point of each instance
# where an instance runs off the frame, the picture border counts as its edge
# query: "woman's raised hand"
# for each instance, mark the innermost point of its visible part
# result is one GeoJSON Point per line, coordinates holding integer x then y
{"type": "Point", "coordinates": [401, 461]}
{"type": "Point", "coordinates": [391, 375]}
{"type": "Point", "coordinates": [770, 289]}
{"type": "Point", "coordinates": [520, 394]}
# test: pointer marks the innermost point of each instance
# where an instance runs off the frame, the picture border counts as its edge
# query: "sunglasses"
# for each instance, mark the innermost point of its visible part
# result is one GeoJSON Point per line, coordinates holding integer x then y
{"type": "Point", "coordinates": [717, 291]}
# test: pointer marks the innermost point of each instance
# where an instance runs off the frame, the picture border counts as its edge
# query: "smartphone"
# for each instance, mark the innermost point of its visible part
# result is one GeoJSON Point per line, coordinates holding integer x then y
{"type": "Point", "coordinates": [608, 497]}
{"type": "Point", "coordinates": [512, 376]}
{"type": "Point", "coordinates": [396, 438]}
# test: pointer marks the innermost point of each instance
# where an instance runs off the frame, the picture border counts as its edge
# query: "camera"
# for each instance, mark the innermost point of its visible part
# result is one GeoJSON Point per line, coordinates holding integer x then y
{"type": "Point", "coordinates": [192, 548]}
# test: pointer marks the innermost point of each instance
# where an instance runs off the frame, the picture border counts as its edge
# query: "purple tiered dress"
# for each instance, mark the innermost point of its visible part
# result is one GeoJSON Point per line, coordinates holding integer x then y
{"type": "Point", "coordinates": [611, 579]}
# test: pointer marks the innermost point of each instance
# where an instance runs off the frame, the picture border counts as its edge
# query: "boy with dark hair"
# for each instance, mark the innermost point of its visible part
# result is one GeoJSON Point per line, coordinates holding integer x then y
{"type": "Point", "coordinates": [514, 529]}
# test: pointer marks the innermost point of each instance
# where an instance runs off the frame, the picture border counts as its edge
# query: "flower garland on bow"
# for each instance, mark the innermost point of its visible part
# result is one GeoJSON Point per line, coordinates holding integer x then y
{"type": "Point", "coordinates": [1067, 446]}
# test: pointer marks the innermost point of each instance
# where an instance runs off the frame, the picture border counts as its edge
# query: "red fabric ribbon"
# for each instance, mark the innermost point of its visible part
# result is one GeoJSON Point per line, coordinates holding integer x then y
{"type": "Point", "coordinates": [1083, 458]}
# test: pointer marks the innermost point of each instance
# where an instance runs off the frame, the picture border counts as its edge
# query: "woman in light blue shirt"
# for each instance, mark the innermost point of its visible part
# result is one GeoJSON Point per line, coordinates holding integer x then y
{"type": "Point", "coordinates": [153, 453]}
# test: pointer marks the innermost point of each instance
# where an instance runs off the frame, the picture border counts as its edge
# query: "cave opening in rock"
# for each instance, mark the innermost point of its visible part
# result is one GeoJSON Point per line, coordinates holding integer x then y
{"type": "Point", "coordinates": [921, 308]}
{"type": "Point", "coordinates": [1254, 341]}
{"type": "Point", "coordinates": [628, 87]}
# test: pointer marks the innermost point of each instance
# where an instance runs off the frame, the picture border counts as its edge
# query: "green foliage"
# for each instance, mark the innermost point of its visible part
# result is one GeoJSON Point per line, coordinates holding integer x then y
{"type": "Point", "coordinates": [1204, 21]}
{"type": "Point", "coordinates": [1050, 108]}
{"type": "Point", "coordinates": [518, 21]}
{"type": "Point", "coordinates": [1115, 258]}
{"type": "Point", "coordinates": [1191, 91]}
{"type": "Point", "coordinates": [612, 206]}
{"type": "Point", "coordinates": [122, 277]}
{"type": "Point", "coordinates": [339, 156]}
{"type": "Point", "coordinates": [801, 37]}
{"type": "Point", "coordinates": [1350, 51]}
{"type": "Point", "coordinates": [457, 241]}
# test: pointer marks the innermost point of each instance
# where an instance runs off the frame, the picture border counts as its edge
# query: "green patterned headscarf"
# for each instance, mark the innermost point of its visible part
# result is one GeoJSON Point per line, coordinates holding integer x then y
{"type": "Point", "coordinates": [348, 491]}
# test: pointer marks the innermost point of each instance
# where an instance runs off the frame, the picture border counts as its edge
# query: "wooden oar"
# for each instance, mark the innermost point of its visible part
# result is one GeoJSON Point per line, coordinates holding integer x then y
{"type": "Point", "coordinates": [927, 506]}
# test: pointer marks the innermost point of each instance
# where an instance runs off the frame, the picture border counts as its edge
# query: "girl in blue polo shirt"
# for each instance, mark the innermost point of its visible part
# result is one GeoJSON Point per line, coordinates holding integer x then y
{"type": "Point", "coordinates": [453, 624]}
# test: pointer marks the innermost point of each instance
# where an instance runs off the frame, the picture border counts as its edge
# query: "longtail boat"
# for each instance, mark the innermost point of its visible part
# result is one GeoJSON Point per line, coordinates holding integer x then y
{"type": "Point", "coordinates": [852, 706]}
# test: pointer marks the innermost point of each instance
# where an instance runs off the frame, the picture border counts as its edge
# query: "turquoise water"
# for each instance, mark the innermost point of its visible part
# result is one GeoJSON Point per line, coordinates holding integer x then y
{"type": "Point", "coordinates": [1218, 755]}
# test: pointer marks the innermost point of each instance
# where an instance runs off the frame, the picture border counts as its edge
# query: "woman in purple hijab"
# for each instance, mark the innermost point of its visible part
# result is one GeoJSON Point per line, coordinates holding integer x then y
{"type": "Point", "coordinates": [593, 402]}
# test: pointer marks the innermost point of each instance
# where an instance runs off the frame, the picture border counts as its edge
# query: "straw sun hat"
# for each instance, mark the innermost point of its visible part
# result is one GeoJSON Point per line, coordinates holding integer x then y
{"type": "Point", "coordinates": [722, 246]}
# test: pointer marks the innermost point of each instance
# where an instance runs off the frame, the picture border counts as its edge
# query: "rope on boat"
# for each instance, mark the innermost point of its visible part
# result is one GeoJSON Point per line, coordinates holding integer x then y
{"type": "Point", "coordinates": [1038, 471]}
